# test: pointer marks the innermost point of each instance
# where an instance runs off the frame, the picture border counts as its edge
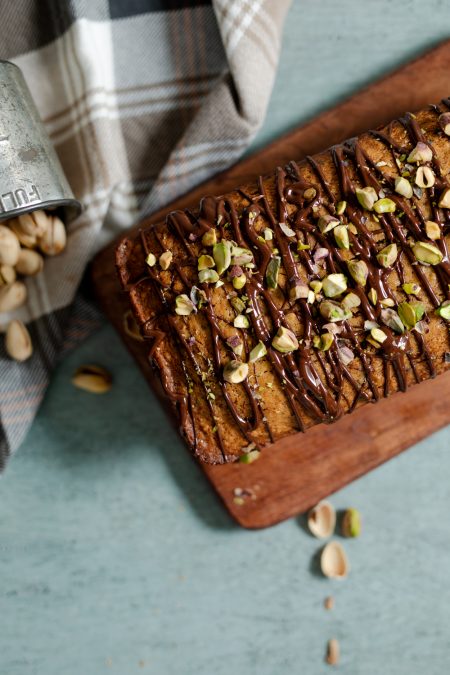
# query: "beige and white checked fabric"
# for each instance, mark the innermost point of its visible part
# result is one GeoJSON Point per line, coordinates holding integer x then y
{"type": "Point", "coordinates": [142, 100]}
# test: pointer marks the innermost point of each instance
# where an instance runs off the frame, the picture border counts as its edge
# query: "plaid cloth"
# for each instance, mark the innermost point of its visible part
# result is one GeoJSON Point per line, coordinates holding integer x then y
{"type": "Point", "coordinates": [142, 100]}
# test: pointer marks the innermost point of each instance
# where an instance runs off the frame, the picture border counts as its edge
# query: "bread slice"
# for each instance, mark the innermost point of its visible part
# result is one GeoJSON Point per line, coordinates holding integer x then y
{"type": "Point", "coordinates": [322, 287]}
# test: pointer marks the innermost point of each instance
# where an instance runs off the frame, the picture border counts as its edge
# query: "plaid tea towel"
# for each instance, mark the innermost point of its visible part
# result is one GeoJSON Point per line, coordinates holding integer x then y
{"type": "Point", "coordinates": [142, 99]}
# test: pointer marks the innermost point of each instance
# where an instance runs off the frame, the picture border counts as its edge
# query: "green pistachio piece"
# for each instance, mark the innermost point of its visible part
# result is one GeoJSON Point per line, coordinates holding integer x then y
{"type": "Point", "coordinates": [326, 340]}
{"type": "Point", "coordinates": [340, 208]}
{"type": "Point", "coordinates": [378, 335]}
{"type": "Point", "coordinates": [151, 260]}
{"type": "Point", "coordinates": [351, 301]}
{"type": "Point", "coordinates": [241, 256]}
{"type": "Point", "coordinates": [238, 305]}
{"type": "Point", "coordinates": [316, 285]}
{"type": "Point", "coordinates": [388, 255]}
{"type": "Point", "coordinates": [209, 238]}
{"type": "Point", "coordinates": [387, 302]}
{"type": "Point", "coordinates": [385, 205]}
{"type": "Point", "coordinates": [373, 296]}
{"type": "Point", "coordinates": [433, 230]}
{"type": "Point", "coordinates": [309, 193]}
{"type": "Point", "coordinates": [358, 271]}
{"type": "Point", "coordinates": [184, 305]}
{"type": "Point", "coordinates": [341, 236]}
{"type": "Point", "coordinates": [268, 234]}
{"type": "Point", "coordinates": [241, 321]}
{"type": "Point", "coordinates": [327, 223]}
{"type": "Point", "coordinates": [272, 271]}
{"type": "Point", "coordinates": [403, 187]}
{"type": "Point", "coordinates": [222, 256]}
{"type": "Point", "coordinates": [258, 351]}
{"type": "Point", "coordinates": [205, 262]}
{"type": "Point", "coordinates": [334, 284]}
{"type": "Point", "coordinates": [249, 457]}
{"type": "Point", "coordinates": [165, 259]}
{"type": "Point", "coordinates": [239, 282]}
{"type": "Point", "coordinates": [285, 341]}
{"type": "Point", "coordinates": [333, 312]}
{"type": "Point", "coordinates": [444, 199]}
{"type": "Point", "coordinates": [421, 153]}
{"type": "Point", "coordinates": [411, 289]}
{"type": "Point", "coordinates": [427, 253]}
{"type": "Point", "coordinates": [407, 314]}
{"type": "Point", "coordinates": [351, 523]}
{"type": "Point", "coordinates": [235, 372]}
{"type": "Point", "coordinates": [311, 297]}
{"type": "Point", "coordinates": [302, 247]}
{"type": "Point", "coordinates": [208, 276]}
{"type": "Point", "coordinates": [366, 197]}
{"type": "Point", "coordinates": [444, 310]}
{"type": "Point", "coordinates": [391, 319]}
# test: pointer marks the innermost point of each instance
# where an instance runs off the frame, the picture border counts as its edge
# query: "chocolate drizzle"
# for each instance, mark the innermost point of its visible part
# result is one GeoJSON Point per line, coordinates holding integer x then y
{"type": "Point", "coordinates": [312, 381]}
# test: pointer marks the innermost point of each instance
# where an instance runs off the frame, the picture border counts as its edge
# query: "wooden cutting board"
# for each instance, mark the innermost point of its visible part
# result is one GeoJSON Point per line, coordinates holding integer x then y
{"type": "Point", "coordinates": [298, 471]}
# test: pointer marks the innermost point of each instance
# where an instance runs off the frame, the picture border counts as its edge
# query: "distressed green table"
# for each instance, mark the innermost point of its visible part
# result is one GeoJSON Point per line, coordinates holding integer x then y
{"type": "Point", "coordinates": [115, 556]}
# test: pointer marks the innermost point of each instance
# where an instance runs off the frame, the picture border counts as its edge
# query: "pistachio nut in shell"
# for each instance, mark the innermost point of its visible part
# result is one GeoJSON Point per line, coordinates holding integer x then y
{"type": "Point", "coordinates": [18, 343]}
{"type": "Point", "coordinates": [54, 240]}
{"type": "Point", "coordinates": [351, 523]}
{"type": "Point", "coordinates": [7, 274]}
{"type": "Point", "coordinates": [25, 239]}
{"type": "Point", "coordinates": [35, 223]}
{"type": "Point", "coordinates": [9, 246]}
{"type": "Point", "coordinates": [333, 561]}
{"type": "Point", "coordinates": [12, 296]}
{"type": "Point", "coordinates": [29, 263]}
{"type": "Point", "coordinates": [322, 520]}
{"type": "Point", "coordinates": [93, 379]}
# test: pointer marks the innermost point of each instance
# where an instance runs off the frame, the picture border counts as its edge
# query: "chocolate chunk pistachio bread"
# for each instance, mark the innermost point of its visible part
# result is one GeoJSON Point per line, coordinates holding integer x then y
{"type": "Point", "coordinates": [304, 294]}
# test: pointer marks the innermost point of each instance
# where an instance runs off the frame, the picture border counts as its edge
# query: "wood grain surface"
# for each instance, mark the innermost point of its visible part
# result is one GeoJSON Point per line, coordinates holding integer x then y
{"type": "Point", "coordinates": [294, 473]}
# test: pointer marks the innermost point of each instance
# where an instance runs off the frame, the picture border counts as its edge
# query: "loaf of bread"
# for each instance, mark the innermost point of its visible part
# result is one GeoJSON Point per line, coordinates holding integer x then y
{"type": "Point", "coordinates": [304, 294]}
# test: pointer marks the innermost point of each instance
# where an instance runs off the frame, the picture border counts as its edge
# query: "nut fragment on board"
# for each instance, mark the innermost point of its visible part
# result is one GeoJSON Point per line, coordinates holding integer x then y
{"type": "Point", "coordinates": [9, 246]}
{"type": "Point", "coordinates": [333, 561]}
{"type": "Point", "coordinates": [328, 603]}
{"type": "Point", "coordinates": [12, 296]}
{"type": "Point", "coordinates": [333, 652]}
{"type": "Point", "coordinates": [351, 523]}
{"type": "Point", "coordinates": [54, 239]}
{"type": "Point", "coordinates": [93, 379]}
{"type": "Point", "coordinates": [18, 343]}
{"type": "Point", "coordinates": [322, 520]}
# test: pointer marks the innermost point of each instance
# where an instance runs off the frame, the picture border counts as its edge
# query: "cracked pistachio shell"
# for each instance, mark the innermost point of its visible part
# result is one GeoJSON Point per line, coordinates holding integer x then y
{"type": "Point", "coordinates": [388, 255]}
{"type": "Point", "coordinates": [421, 153]}
{"type": "Point", "coordinates": [358, 271]}
{"type": "Point", "coordinates": [209, 238]}
{"type": "Point", "coordinates": [322, 520]}
{"type": "Point", "coordinates": [444, 199]}
{"type": "Point", "coordinates": [18, 343]}
{"type": "Point", "coordinates": [222, 256]}
{"type": "Point", "coordinates": [54, 239]}
{"type": "Point", "coordinates": [272, 271]}
{"type": "Point", "coordinates": [403, 187]}
{"type": "Point", "coordinates": [367, 197]}
{"type": "Point", "coordinates": [334, 284]}
{"type": "Point", "coordinates": [444, 310]}
{"type": "Point", "coordinates": [327, 223]}
{"type": "Point", "coordinates": [183, 305]}
{"type": "Point", "coordinates": [208, 276]}
{"type": "Point", "coordinates": [425, 177]}
{"type": "Point", "coordinates": [258, 352]}
{"type": "Point", "coordinates": [12, 296]}
{"type": "Point", "coordinates": [333, 312]}
{"type": "Point", "coordinates": [341, 236]}
{"type": "Point", "coordinates": [333, 561]}
{"type": "Point", "coordinates": [235, 372]}
{"type": "Point", "coordinates": [351, 523]}
{"type": "Point", "coordinates": [93, 379]}
{"type": "Point", "coordinates": [433, 230]}
{"type": "Point", "coordinates": [29, 262]}
{"type": "Point", "coordinates": [205, 262]}
{"type": "Point", "coordinates": [427, 253]}
{"type": "Point", "coordinates": [285, 341]}
{"type": "Point", "coordinates": [9, 246]}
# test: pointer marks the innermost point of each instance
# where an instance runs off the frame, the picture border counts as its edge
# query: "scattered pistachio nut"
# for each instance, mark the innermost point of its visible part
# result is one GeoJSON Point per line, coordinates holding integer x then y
{"type": "Point", "coordinates": [268, 234]}
{"type": "Point", "coordinates": [403, 187]}
{"type": "Point", "coordinates": [351, 301]}
{"type": "Point", "coordinates": [378, 335]}
{"type": "Point", "coordinates": [323, 342]}
{"type": "Point", "coordinates": [425, 177]}
{"type": "Point", "coordinates": [388, 255]}
{"type": "Point", "coordinates": [272, 272]}
{"type": "Point", "coordinates": [340, 207]}
{"type": "Point", "coordinates": [359, 271]}
{"type": "Point", "coordinates": [444, 310]}
{"type": "Point", "coordinates": [29, 262]}
{"type": "Point", "coordinates": [391, 319]}
{"type": "Point", "coordinates": [18, 343]}
{"type": "Point", "coordinates": [238, 305]}
{"type": "Point", "coordinates": [444, 199]}
{"type": "Point", "coordinates": [341, 237]}
{"type": "Point", "coordinates": [209, 238]}
{"type": "Point", "coordinates": [333, 311]}
{"type": "Point", "coordinates": [250, 457]}
{"type": "Point", "coordinates": [302, 247]}
{"type": "Point", "coordinates": [222, 256]}
{"type": "Point", "coordinates": [334, 285]}
{"type": "Point", "coordinates": [333, 561]}
{"type": "Point", "coordinates": [235, 372]}
{"type": "Point", "coordinates": [322, 520]}
{"type": "Point", "coordinates": [410, 313]}
{"type": "Point", "coordinates": [208, 276]}
{"type": "Point", "coordinates": [258, 352]}
{"type": "Point", "coordinates": [299, 291]}
{"type": "Point", "coordinates": [427, 253]}
{"type": "Point", "coordinates": [327, 223]}
{"type": "Point", "coordinates": [12, 296]}
{"type": "Point", "coordinates": [205, 262]}
{"type": "Point", "coordinates": [54, 239]}
{"type": "Point", "coordinates": [184, 305]}
{"type": "Point", "coordinates": [367, 197]}
{"type": "Point", "coordinates": [150, 260]}
{"type": "Point", "coordinates": [7, 274]}
{"type": "Point", "coordinates": [384, 205]}
{"type": "Point", "coordinates": [286, 230]}
{"type": "Point", "coordinates": [239, 281]}
{"type": "Point", "coordinates": [241, 321]}
{"type": "Point", "coordinates": [131, 327]}
{"type": "Point", "coordinates": [316, 285]}
{"type": "Point", "coordinates": [433, 230]}
{"type": "Point", "coordinates": [444, 123]}
{"type": "Point", "coordinates": [387, 302]}
{"type": "Point", "coordinates": [309, 193]}
{"type": "Point", "coordinates": [93, 379]}
{"type": "Point", "coordinates": [333, 652]}
{"type": "Point", "coordinates": [373, 296]}
{"type": "Point", "coordinates": [351, 523]}
{"type": "Point", "coordinates": [165, 259]}
{"type": "Point", "coordinates": [411, 289]}
{"type": "Point", "coordinates": [9, 246]}
{"type": "Point", "coordinates": [285, 340]}
{"type": "Point", "coordinates": [421, 153]}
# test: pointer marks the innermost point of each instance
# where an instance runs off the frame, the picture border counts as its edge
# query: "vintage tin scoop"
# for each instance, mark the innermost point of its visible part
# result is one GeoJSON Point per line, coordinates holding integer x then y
{"type": "Point", "coordinates": [31, 176]}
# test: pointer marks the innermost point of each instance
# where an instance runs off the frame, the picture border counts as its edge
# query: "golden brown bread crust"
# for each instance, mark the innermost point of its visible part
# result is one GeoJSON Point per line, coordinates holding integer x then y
{"type": "Point", "coordinates": [221, 420]}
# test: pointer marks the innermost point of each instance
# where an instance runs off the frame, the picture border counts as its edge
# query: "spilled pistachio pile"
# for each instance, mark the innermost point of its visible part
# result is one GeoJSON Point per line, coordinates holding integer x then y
{"type": "Point", "coordinates": [24, 241]}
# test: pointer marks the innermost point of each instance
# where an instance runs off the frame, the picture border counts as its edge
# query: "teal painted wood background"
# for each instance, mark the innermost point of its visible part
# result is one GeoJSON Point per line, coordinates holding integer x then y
{"type": "Point", "coordinates": [116, 557]}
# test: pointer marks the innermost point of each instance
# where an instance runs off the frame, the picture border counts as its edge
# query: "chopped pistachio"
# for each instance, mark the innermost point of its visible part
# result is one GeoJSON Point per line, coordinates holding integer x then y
{"type": "Point", "coordinates": [208, 276]}
{"type": "Point", "coordinates": [387, 302]}
{"type": "Point", "coordinates": [285, 341]}
{"type": "Point", "coordinates": [272, 271]}
{"type": "Point", "coordinates": [268, 234]}
{"type": "Point", "coordinates": [235, 372]}
{"type": "Point", "coordinates": [334, 284]}
{"type": "Point", "coordinates": [222, 256]}
{"type": "Point", "coordinates": [425, 177]}
{"type": "Point", "coordinates": [340, 207]}
{"type": "Point", "coordinates": [151, 260]}
{"type": "Point", "coordinates": [352, 228]}
{"type": "Point", "coordinates": [241, 256]}
{"type": "Point", "coordinates": [332, 311]}
{"type": "Point", "coordinates": [298, 291]}
{"type": "Point", "coordinates": [327, 223]}
{"type": "Point", "coordinates": [385, 205]}
{"type": "Point", "coordinates": [407, 314]}
{"type": "Point", "coordinates": [444, 310]}
{"type": "Point", "coordinates": [403, 187]}
{"type": "Point", "coordinates": [165, 259]}
{"type": "Point", "coordinates": [241, 321]}
{"type": "Point", "coordinates": [444, 199]}
{"type": "Point", "coordinates": [239, 282]}
{"type": "Point", "coordinates": [325, 341]}
{"type": "Point", "coordinates": [373, 296]}
{"type": "Point", "coordinates": [237, 304]}
{"type": "Point", "coordinates": [421, 153]}
{"type": "Point", "coordinates": [378, 335]}
{"type": "Point", "coordinates": [341, 236]}
{"type": "Point", "coordinates": [209, 238]}
{"type": "Point", "coordinates": [388, 255]}
{"type": "Point", "coordinates": [311, 297]}
{"type": "Point", "coordinates": [316, 285]}
{"type": "Point", "coordinates": [411, 289]}
{"type": "Point", "coordinates": [205, 262]}
{"type": "Point", "coordinates": [444, 123]}
{"type": "Point", "coordinates": [286, 230]}
{"type": "Point", "coordinates": [433, 230]}
{"type": "Point", "coordinates": [302, 247]}
{"type": "Point", "coordinates": [358, 271]}
{"type": "Point", "coordinates": [373, 342]}
{"type": "Point", "coordinates": [249, 457]}
{"type": "Point", "coordinates": [309, 193]}
{"type": "Point", "coordinates": [351, 523]}
{"type": "Point", "coordinates": [184, 305]}
{"type": "Point", "coordinates": [391, 319]}
{"type": "Point", "coordinates": [427, 253]}
{"type": "Point", "coordinates": [258, 351]}
{"type": "Point", "coordinates": [219, 283]}
{"type": "Point", "coordinates": [366, 197]}
{"type": "Point", "coordinates": [351, 301]}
